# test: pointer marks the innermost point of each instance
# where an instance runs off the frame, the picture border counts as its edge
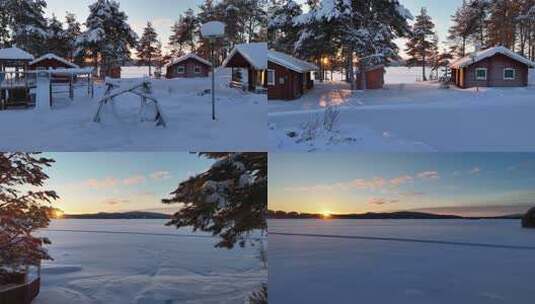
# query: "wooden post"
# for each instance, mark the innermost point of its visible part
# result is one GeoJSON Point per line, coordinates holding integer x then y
{"type": "Point", "coordinates": [71, 89]}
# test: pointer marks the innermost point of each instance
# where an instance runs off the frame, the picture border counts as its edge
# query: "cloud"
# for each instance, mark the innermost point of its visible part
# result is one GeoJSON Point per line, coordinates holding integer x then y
{"type": "Point", "coordinates": [401, 180]}
{"type": "Point", "coordinates": [134, 180]}
{"type": "Point", "coordinates": [375, 183]}
{"type": "Point", "coordinates": [115, 202]}
{"type": "Point", "coordinates": [160, 175]}
{"type": "Point", "coordinates": [429, 175]}
{"type": "Point", "coordinates": [412, 194]}
{"type": "Point", "coordinates": [475, 171]}
{"type": "Point", "coordinates": [382, 201]}
{"type": "Point", "coordinates": [106, 183]}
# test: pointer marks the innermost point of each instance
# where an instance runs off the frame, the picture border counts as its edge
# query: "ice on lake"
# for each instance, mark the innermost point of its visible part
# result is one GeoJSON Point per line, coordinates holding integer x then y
{"type": "Point", "coordinates": [143, 261]}
{"type": "Point", "coordinates": [385, 261]}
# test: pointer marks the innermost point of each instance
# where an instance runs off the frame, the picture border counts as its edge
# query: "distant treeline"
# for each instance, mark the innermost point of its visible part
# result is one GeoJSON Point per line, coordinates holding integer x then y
{"type": "Point", "coordinates": [387, 215]}
{"type": "Point", "coordinates": [118, 215]}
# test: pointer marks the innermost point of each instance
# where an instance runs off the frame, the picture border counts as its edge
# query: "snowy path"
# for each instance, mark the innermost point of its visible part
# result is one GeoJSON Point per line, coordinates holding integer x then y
{"type": "Point", "coordinates": [374, 266]}
{"type": "Point", "coordinates": [412, 117]}
{"type": "Point", "coordinates": [142, 261]}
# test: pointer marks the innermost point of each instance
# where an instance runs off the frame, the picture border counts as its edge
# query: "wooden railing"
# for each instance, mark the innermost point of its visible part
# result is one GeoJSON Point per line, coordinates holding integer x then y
{"type": "Point", "coordinates": [10, 80]}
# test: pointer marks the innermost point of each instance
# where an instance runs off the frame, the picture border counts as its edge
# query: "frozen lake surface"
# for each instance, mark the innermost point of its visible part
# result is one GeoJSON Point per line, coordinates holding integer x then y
{"type": "Point", "coordinates": [401, 261]}
{"type": "Point", "coordinates": [143, 261]}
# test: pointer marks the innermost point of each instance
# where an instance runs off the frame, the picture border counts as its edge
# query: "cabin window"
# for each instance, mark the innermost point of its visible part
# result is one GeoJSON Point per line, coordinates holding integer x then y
{"type": "Point", "coordinates": [197, 69]}
{"type": "Point", "coordinates": [180, 69]}
{"type": "Point", "coordinates": [509, 74]}
{"type": "Point", "coordinates": [271, 77]}
{"type": "Point", "coordinates": [481, 74]}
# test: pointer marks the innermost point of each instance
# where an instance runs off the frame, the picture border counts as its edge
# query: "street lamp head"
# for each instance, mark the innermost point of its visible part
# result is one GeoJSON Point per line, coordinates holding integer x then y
{"type": "Point", "coordinates": [213, 30]}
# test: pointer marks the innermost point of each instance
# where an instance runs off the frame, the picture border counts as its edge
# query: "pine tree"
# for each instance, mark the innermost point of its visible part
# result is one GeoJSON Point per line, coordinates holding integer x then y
{"type": "Point", "coordinates": [183, 33]}
{"type": "Point", "coordinates": [23, 211]}
{"type": "Point", "coordinates": [365, 29]}
{"type": "Point", "coordinates": [56, 41]}
{"type": "Point", "coordinates": [5, 19]}
{"type": "Point", "coordinates": [148, 48]}
{"type": "Point", "coordinates": [465, 26]}
{"type": "Point", "coordinates": [281, 27]}
{"type": "Point", "coordinates": [228, 200]}
{"type": "Point", "coordinates": [107, 37]}
{"type": "Point", "coordinates": [72, 32]}
{"type": "Point", "coordinates": [28, 24]}
{"type": "Point", "coordinates": [420, 45]}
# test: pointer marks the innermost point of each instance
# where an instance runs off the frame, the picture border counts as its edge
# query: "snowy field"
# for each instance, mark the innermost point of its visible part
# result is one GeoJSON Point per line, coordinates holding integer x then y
{"type": "Point", "coordinates": [186, 106]}
{"type": "Point", "coordinates": [143, 262]}
{"type": "Point", "coordinates": [407, 115]}
{"type": "Point", "coordinates": [420, 262]}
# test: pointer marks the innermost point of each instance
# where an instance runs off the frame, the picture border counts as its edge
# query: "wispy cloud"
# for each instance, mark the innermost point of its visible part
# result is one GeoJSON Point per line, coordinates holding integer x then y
{"type": "Point", "coordinates": [428, 175]}
{"type": "Point", "coordinates": [115, 202]}
{"type": "Point", "coordinates": [375, 183]}
{"type": "Point", "coordinates": [382, 201]}
{"type": "Point", "coordinates": [134, 180]}
{"type": "Point", "coordinates": [474, 171]}
{"type": "Point", "coordinates": [98, 184]}
{"type": "Point", "coordinates": [160, 175]}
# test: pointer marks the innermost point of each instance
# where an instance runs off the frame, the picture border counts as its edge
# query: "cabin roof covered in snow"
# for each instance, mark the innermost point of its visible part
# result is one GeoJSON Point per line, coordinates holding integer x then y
{"type": "Point", "coordinates": [51, 56]}
{"type": "Point", "coordinates": [254, 53]}
{"type": "Point", "coordinates": [481, 55]}
{"type": "Point", "coordinates": [14, 53]}
{"type": "Point", "coordinates": [291, 62]}
{"type": "Point", "coordinates": [186, 57]}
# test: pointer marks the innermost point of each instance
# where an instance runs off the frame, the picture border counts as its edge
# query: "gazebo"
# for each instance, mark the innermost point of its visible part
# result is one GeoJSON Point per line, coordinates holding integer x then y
{"type": "Point", "coordinates": [14, 58]}
{"type": "Point", "coordinates": [15, 84]}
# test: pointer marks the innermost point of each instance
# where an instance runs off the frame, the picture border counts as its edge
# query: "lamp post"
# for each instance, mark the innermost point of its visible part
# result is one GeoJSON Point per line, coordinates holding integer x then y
{"type": "Point", "coordinates": [213, 30]}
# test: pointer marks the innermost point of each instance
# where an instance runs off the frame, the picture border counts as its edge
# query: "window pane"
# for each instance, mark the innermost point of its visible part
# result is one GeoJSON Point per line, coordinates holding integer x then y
{"type": "Point", "coordinates": [509, 74]}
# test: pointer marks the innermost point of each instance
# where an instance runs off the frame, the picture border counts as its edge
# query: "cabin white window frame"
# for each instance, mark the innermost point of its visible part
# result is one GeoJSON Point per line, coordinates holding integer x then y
{"type": "Point", "coordinates": [509, 78]}
{"type": "Point", "coordinates": [486, 73]}
{"type": "Point", "coordinates": [180, 69]}
{"type": "Point", "coordinates": [197, 70]}
{"type": "Point", "coordinates": [272, 80]}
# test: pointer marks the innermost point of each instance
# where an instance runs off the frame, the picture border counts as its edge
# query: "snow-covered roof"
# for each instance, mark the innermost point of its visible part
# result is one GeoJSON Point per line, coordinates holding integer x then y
{"type": "Point", "coordinates": [254, 53]}
{"type": "Point", "coordinates": [51, 56]}
{"type": "Point", "coordinates": [481, 55]}
{"type": "Point", "coordinates": [291, 62]}
{"type": "Point", "coordinates": [14, 53]}
{"type": "Point", "coordinates": [188, 56]}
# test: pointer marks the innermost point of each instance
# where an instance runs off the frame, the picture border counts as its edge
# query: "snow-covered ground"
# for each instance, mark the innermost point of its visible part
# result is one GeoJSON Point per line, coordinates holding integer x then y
{"type": "Point", "coordinates": [240, 125]}
{"type": "Point", "coordinates": [409, 261]}
{"type": "Point", "coordinates": [408, 116]}
{"type": "Point", "coordinates": [143, 261]}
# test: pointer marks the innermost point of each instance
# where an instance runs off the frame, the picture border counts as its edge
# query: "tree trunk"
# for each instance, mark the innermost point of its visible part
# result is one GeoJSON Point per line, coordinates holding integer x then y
{"type": "Point", "coordinates": [423, 68]}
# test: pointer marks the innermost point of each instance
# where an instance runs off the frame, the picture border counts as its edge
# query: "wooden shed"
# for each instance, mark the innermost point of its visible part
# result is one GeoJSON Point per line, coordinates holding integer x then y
{"type": "Point", "coordinates": [288, 78]}
{"type": "Point", "coordinates": [493, 67]}
{"type": "Point", "coordinates": [375, 78]}
{"type": "Point", "coordinates": [188, 66]}
{"type": "Point", "coordinates": [253, 58]}
{"type": "Point", "coordinates": [51, 62]}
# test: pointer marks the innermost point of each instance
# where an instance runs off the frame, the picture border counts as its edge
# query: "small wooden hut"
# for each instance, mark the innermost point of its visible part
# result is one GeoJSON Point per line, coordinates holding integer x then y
{"type": "Point", "coordinates": [288, 77]}
{"type": "Point", "coordinates": [493, 67]}
{"type": "Point", "coordinates": [375, 78]}
{"type": "Point", "coordinates": [188, 66]}
{"type": "Point", "coordinates": [253, 58]}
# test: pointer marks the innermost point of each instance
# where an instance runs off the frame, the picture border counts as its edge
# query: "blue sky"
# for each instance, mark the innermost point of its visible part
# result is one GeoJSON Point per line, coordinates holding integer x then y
{"type": "Point", "coordinates": [107, 182]}
{"type": "Point", "coordinates": [468, 184]}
